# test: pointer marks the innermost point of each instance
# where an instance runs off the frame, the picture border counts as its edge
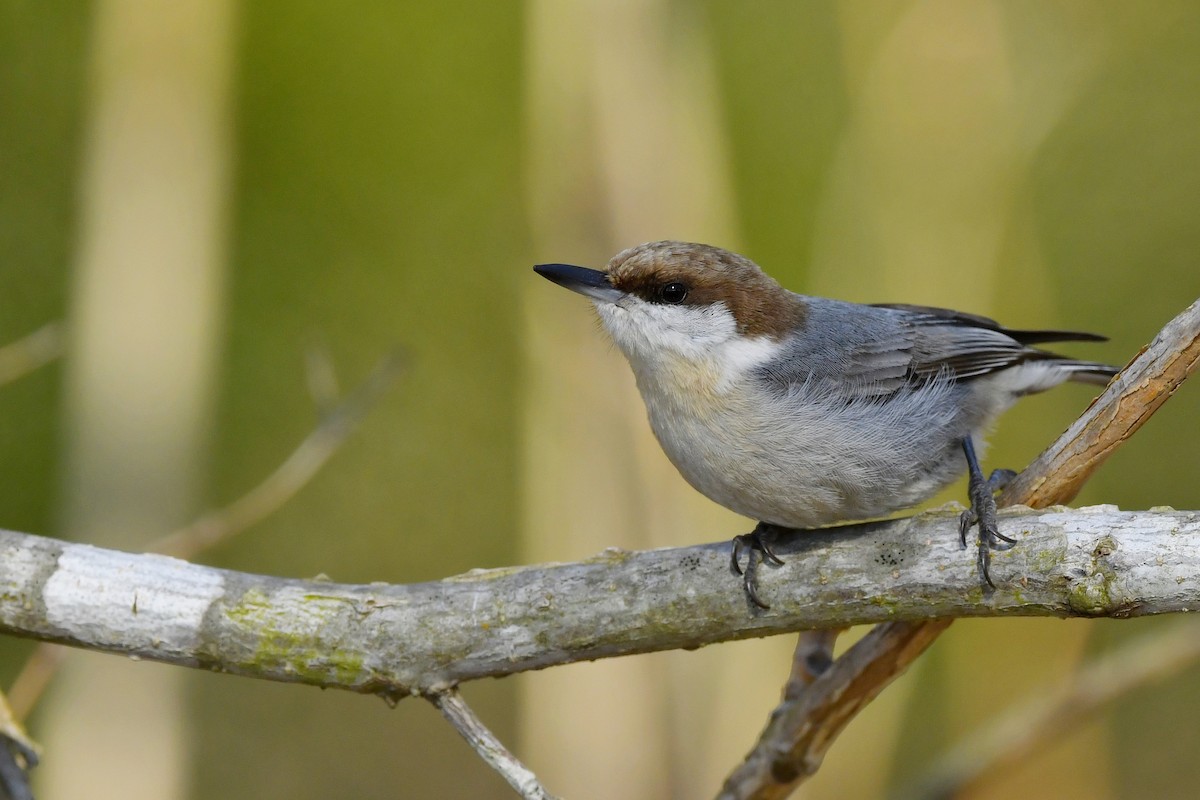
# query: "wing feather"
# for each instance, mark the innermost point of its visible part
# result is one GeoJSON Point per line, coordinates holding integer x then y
{"type": "Point", "coordinates": [883, 349]}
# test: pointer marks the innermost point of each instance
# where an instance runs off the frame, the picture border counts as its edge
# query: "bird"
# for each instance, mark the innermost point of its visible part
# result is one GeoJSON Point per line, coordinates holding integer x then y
{"type": "Point", "coordinates": [800, 412]}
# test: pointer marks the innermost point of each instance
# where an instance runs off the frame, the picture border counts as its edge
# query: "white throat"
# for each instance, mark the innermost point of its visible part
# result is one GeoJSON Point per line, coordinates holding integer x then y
{"type": "Point", "coordinates": [683, 348]}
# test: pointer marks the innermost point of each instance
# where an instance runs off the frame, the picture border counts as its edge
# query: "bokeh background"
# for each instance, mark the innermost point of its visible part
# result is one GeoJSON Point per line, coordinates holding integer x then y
{"type": "Point", "coordinates": [204, 191]}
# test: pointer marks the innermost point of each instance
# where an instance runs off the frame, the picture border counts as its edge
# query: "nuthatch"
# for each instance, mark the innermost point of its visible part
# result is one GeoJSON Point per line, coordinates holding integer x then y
{"type": "Point", "coordinates": [801, 411]}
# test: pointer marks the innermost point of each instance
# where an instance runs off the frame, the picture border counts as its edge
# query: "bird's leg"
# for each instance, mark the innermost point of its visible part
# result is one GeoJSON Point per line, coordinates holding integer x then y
{"type": "Point", "coordinates": [983, 508]}
{"type": "Point", "coordinates": [760, 539]}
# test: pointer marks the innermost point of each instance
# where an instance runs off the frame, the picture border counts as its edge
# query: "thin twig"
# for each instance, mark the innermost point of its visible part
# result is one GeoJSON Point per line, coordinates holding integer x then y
{"type": "Point", "coordinates": [290, 476]}
{"type": "Point", "coordinates": [455, 709]}
{"type": "Point", "coordinates": [1023, 730]}
{"type": "Point", "coordinates": [217, 526]}
{"type": "Point", "coordinates": [783, 757]}
{"type": "Point", "coordinates": [30, 352]}
{"type": "Point", "coordinates": [35, 675]}
{"type": "Point", "coordinates": [320, 376]}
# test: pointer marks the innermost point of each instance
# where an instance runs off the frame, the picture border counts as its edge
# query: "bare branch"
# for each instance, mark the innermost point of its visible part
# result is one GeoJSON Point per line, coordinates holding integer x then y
{"type": "Point", "coordinates": [1058, 474]}
{"type": "Point", "coordinates": [338, 421]}
{"type": "Point", "coordinates": [289, 477]}
{"type": "Point", "coordinates": [1054, 477]}
{"type": "Point", "coordinates": [828, 706]}
{"type": "Point", "coordinates": [320, 376]}
{"type": "Point", "coordinates": [30, 352]}
{"type": "Point", "coordinates": [1019, 733]}
{"type": "Point", "coordinates": [426, 637]}
{"type": "Point", "coordinates": [35, 675]}
{"type": "Point", "coordinates": [455, 709]}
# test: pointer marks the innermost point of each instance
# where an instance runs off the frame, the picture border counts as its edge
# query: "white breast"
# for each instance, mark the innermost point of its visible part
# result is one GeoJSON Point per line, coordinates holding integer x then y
{"type": "Point", "coordinates": [810, 458]}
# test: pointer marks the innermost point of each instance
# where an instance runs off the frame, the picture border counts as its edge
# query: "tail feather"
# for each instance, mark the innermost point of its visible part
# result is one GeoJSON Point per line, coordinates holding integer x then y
{"type": "Point", "coordinates": [1092, 372]}
{"type": "Point", "coordinates": [1041, 370]}
{"type": "Point", "coordinates": [1041, 337]}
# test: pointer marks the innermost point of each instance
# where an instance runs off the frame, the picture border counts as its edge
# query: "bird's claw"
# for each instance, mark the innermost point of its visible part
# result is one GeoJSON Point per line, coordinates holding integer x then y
{"type": "Point", "coordinates": [983, 513]}
{"type": "Point", "coordinates": [758, 540]}
{"type": "Point", "coordinates": [983, 510]}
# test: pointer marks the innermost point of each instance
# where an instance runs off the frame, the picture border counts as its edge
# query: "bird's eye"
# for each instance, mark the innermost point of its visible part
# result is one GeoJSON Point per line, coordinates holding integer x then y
{"type": "Point", "coordinates": [673, 292]}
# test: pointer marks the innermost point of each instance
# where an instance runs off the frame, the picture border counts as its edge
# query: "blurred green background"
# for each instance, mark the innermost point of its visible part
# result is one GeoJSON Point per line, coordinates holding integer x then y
{"type": "Point", "coordinates": [203, 190]}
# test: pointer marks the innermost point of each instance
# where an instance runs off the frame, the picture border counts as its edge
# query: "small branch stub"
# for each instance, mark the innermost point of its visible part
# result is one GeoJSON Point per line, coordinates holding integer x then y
{"type": "Point", "coordinates": [456, 711]}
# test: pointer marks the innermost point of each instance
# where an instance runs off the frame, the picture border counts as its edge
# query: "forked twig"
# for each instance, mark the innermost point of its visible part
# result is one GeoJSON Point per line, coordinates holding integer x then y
{"type": "Point", "coordinates": [802, 728]}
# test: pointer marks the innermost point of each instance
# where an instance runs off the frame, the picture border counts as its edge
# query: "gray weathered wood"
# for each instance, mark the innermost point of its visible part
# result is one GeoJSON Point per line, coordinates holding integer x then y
{"type": "Point", "coordinates": [419, 638]}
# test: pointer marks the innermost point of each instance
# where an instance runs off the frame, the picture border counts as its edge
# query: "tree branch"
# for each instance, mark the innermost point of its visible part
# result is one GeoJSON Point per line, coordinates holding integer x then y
{"type": "Point", "coordinates": [422, 638]}
{"type": "Point", "coordinates": [339, 418]}
{"type": "Point", "coordinates": [1058, 474]}
{"type": "Point", "coordinates": [796, 740]}
{"type": "Point", "coordinates": [1018, 733]}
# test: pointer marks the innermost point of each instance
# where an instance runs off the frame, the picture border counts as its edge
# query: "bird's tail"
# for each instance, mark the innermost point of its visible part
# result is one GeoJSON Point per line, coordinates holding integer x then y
{"type": "Point", "coordinates": [1092, 372]}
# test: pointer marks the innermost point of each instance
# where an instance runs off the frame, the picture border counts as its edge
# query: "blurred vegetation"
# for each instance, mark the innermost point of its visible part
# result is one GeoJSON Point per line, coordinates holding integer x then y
{"type": "Point", "coordinates": [1033, 161]}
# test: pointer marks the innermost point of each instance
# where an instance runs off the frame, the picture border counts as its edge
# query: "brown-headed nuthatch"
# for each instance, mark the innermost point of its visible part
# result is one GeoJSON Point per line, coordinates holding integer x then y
{"type": "Point", "coordinates": [800, 411]}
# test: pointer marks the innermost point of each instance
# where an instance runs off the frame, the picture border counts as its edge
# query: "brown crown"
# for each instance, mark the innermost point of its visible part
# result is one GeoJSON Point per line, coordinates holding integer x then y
{"type": "Point", "coordinates": [712, 275]}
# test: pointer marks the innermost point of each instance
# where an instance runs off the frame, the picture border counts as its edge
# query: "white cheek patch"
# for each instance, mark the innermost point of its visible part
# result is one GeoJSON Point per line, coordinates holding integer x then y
{"type": "Point", "coordinates": [702, 341]}
{"type": "Point", "coordinates": [647, 331]}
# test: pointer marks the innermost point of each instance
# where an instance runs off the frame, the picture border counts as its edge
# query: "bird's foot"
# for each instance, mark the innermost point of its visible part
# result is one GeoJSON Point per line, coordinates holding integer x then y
{"type": "Point", "coordinates": [983, 512]}
{"type": "Point", "coordinates": [758, 540]}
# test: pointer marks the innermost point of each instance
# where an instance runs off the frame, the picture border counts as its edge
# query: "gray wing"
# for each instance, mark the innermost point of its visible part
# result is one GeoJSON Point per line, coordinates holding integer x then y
{"type": "Point", "coordinates": [970, 346]}
{"type": "Point", "coordinates": [875, 351]}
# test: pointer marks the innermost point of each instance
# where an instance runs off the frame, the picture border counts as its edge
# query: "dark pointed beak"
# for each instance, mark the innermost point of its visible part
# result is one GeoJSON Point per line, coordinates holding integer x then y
{"type": "Point", "coordinates": [588, 282]}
